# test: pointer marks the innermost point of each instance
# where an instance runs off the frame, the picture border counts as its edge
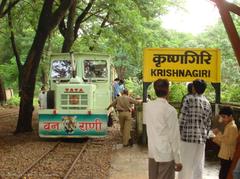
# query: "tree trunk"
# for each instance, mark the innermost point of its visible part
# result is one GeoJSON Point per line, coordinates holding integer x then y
{"type": "Point", "coordinates": [2, 93]}
{"type": "Point", "coordinates": [47, 22]}
{"type": "Point", "coordinates": [121, 71]}
{"type": "Point", "coordinates": [67, 44]}
{"type": "Point", "coordinates": [28, 83]}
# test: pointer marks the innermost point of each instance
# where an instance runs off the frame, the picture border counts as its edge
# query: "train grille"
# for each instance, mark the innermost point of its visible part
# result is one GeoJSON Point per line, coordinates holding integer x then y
{"type": "Point", "coordinates": [74, 101]}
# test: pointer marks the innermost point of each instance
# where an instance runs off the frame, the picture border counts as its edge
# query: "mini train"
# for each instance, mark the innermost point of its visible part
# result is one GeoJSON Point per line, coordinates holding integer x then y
{"type": "Point", "coordinates": [80, 89]}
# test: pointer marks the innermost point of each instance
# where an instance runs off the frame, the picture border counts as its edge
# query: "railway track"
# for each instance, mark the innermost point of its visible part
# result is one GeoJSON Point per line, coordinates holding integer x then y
{"type": "Point", "coordinates": [61, 160]}
{"type": "Point", "coordinates": [8, 113]}
{"type": "Point", "coordinates": [38, 160]}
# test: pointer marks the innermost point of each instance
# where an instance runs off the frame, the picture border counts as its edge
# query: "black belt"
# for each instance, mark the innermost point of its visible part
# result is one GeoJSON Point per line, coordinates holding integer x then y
{"type": "Point", "coordinates": [122, 111]}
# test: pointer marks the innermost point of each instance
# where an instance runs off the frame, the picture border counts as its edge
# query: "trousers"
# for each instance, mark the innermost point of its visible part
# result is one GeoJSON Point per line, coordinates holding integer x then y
{"type": "Point", "coordinates": [125, 126]}
{"type": "Point", "coordinates": [161, 170]}
{"type": "Point", "coordinates": [193, 156]}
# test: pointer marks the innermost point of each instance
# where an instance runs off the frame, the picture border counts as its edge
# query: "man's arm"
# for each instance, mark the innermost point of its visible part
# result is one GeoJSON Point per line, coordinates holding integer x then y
{"type": "Point", "coordinates": [229, 136]}
{"type": "Point", "coordinates": [133, 101]}
{"type": "Point", "coordinates": [209, 120]}
{"type": "Point", "coordinates": [174, 138]}
{"type": "Point", "coordinates": [183, 112]}
{"type": "Point", "coordinates": [113, 104]}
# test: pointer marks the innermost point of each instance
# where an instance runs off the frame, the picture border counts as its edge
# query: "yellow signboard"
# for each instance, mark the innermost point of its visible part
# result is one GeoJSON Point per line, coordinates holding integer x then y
{"type": "Point", "coordinates": [182, 64]}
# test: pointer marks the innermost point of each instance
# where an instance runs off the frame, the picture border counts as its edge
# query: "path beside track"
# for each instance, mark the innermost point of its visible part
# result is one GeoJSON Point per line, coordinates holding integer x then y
{"type": "Point", "coordinates": [132, 163]}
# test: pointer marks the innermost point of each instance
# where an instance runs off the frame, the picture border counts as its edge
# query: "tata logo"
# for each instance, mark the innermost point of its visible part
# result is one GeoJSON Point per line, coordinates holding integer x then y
{"type": "Point", "coordinates": [73, 90]}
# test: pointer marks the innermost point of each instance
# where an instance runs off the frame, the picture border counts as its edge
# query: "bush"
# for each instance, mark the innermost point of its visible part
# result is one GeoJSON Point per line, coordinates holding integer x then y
{"type": "Point", "coordinates": [14, 101]}
{"type": "Point", "coordinates": [134, 86]}
{"type": "Point", "coordinates": [230, 93]}
{"type": "Point", "coordinates": [210, 93]}
{"type": "Point", "coordinates": [235, 94]}
{"type": "Point", "coordinates": [177, 91]}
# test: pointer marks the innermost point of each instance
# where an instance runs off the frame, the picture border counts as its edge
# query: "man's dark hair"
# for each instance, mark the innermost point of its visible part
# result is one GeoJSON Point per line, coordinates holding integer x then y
{"type": "Point", "coordinates": [125, 91]}
{"type": "Point", "coordinates": [116, 79]}
{"type": "Point", "coordinates": [161, 87]}
{"type": "Point", "coordinates": [199, 86]}
{"type": "Point", "coordinates": [226, 110]}
{"type": "Point", "coordinates": [189, 88]}
{"type": "Point", "coordinates": [121, 81]}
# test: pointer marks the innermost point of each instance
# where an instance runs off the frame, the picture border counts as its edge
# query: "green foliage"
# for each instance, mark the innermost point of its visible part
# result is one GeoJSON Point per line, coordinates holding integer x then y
{"type": "Point", "coordinates": [9, 73]}
{"type": "Point", "coordinates": [177, 91]}
{"type": "Point", "coordinates": [134, 86]}
{"type": "Point", "coordinates": [14, 101]}
{"type": "Point", "coordinates": [35, 101]}
{"type": "Point", "coordinates": [230, 93]}
{"type": "Point", "coordinates": [225, 92]}
{"type": "Point", "coordinates": [235, 94]}
{"type": "Point", "coordinates": [210, 93]}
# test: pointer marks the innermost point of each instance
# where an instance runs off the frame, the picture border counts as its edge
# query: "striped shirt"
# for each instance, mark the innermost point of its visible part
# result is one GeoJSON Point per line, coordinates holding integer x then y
{"type": "Point", "coordinates": [195, 119]}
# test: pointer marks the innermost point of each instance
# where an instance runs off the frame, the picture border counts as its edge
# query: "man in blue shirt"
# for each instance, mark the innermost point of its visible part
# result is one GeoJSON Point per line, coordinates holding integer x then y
{"type": "Point", "coordinates": [116, 88]}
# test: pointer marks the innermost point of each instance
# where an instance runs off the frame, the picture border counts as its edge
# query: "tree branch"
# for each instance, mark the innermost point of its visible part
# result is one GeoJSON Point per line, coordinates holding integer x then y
{"type": "Point", "coordinates": [100, 17]}
{"type": "Point", "coordinates": [58, 15]}
{"type": "Point", "coordinates": [71, 16]}
{"type": "Point", "coordinates": [100, 30]}
{"type": "Point", "coordinates": [2, 6]}
{"type": "Point", "coordinates": [13, 42]}
{"type": "Point", "coordinates": [81, 17]}
{"type": "Point", "coordinates": [10, 6]}
{"type": "Point", "coordinates": [62, 27]}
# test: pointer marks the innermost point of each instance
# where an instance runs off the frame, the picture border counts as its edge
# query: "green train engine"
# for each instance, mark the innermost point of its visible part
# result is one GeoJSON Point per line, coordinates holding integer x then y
{"type": "Point", "coordinates": [79, 91]}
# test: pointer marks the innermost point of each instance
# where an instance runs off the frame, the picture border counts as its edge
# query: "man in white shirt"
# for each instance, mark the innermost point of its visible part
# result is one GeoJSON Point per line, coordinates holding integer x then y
{"type": "Point", "coordinates": [163, 134]}
{"type": "Point", "coordinates": [42, 98]}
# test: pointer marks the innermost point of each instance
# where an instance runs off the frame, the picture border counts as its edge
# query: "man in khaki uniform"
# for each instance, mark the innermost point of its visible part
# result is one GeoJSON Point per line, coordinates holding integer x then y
{"type": "Point", "coordinates": [123, 105]}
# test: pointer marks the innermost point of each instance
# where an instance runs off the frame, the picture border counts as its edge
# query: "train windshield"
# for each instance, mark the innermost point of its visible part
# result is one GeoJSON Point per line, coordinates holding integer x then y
{"type": "Point", "coordinates": [61, 69]}
{"type": "Point", "coordinates": [95, 69]}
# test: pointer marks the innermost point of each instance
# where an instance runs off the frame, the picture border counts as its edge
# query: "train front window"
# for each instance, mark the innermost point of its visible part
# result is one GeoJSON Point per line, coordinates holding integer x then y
{"type": "Point", "coordinates": [61, 69]}
{"type": "Point", "coordinates": [95, 69]}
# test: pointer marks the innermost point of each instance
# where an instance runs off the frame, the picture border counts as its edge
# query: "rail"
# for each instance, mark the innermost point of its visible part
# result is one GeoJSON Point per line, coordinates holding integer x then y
{"type": "Point", "coordinates": [51, 152]}
{"type": "Point", "coordinates": [75, 161]}
{"type": "Point", "coordinates": [38, 160]}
